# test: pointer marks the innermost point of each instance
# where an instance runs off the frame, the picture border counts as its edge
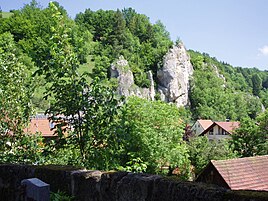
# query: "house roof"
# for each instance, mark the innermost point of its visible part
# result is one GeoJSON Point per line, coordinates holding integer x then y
{"type": "Point", "coordinates": [227, 126]}
{"type": "Point", "coordinates": [205, 123]}
{"type": "Point", "coordinates": [42, 125]}
{"type": "Point", "coordinates": [250, 173]}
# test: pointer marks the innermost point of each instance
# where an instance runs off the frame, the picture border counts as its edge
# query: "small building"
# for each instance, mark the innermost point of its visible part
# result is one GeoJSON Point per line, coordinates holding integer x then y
{"type": "Point", "coordinates": [41, 124]}
{"type": "Point", "coordinates": [220, 130]}
{"type": "Point", "coordinates": [249, 173]}
{"type": "Point", "coordinates": [200, 125]}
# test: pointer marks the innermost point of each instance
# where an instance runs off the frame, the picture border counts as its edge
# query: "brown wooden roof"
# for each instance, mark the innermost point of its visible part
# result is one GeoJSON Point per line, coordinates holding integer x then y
{"type": "Point", "coordinates": [250, 173]}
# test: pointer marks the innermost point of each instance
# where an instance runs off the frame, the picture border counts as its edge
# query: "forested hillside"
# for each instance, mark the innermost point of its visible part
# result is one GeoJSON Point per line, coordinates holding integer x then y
{"type": "Point", "coordinates": [129, 34]}
{"type": "Point", "coordinates": [58, 65]}
{"type": "Point", "coordinates": [220, 91]}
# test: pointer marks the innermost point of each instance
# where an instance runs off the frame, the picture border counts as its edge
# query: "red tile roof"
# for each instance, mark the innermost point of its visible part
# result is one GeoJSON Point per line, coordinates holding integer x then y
{"type": "Point", "coordinates": [205, 123]}
{"type": "Point", "coordinates": [41, 125]}
{"type": "Point", "coordinates": [228, 126]}
{"type": "Point", "coordinates": [250, 173]}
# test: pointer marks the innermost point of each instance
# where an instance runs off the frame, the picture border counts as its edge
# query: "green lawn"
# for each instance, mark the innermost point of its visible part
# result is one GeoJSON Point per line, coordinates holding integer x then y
{"type": "Point", "coordinates": [87, 67]}
{"type": "Point", "coordinates": [40, 105]}
{"type": "Point", "coordinates": [7, 14]}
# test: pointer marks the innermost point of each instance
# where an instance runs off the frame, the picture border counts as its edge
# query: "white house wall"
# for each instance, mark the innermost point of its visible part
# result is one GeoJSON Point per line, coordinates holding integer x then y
{"type": "Point", "coordinates": [197, 128]}
{"type": "Point", "coordinates": [217, 134]}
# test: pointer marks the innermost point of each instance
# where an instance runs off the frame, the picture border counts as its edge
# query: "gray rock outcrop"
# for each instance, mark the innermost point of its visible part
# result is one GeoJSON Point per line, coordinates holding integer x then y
{"type": "Point", "coordinates": [126, 86]}
{"type": "Point", "coordinates": [219, 75]}
{"type": "Point", "coordinates": [174, 76]}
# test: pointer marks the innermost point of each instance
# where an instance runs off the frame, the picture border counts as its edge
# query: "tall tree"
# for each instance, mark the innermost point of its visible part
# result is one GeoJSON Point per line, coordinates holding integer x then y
{"type": "Point", "coordinates": [16, 89]}
{"type": "Point", "coordinates": [250, 138]}
{"type": "Point", "coordinates": [15, 86]}
{"type": "Point", "coordinates": [257, 84]}
{"type": "Point", "coordinates": [88, 111]}
{"type": "Point", "coordinates": [153, 132]}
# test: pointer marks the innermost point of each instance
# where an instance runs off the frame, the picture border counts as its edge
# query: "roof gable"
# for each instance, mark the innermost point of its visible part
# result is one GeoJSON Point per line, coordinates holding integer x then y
{"type": "Point", "coordinates": [250, 173]}
{"type": "Point", "coordinates": [205, 123]}
{"type": "Point", "coordinates": [227, 126]}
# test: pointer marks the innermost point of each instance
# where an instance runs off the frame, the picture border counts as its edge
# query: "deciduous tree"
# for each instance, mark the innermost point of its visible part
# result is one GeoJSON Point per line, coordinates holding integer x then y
{"type": "Point", "coordinates": [152, 132]}
{"type": "Point", "coordinates": [250, 138]}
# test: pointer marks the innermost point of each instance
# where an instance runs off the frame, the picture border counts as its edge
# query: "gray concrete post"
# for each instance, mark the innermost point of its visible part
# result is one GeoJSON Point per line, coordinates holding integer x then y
{"type": "Point", "coordinates": [36, 190]}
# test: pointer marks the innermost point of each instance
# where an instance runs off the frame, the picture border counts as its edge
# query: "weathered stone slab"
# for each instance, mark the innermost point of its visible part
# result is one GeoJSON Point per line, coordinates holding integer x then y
{"type": "Point", "coordinates": [35, 189]}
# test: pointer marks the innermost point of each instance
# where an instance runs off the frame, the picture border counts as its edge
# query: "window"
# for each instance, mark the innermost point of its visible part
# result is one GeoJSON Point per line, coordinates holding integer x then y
{"type": "Point", "coordinates": [211, 131]}
{"type": "Point", "coordinates": [224, 132]}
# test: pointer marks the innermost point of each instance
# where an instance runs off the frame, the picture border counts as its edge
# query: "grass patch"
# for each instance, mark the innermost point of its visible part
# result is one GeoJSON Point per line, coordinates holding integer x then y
{"type": "Point", "coordinates": [87, 68]}
{"type": "Point", "coordinates": [6, 14]}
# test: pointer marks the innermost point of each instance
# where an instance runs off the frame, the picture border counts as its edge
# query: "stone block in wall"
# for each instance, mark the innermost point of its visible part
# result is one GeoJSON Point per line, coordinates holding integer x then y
{"type": "Point", "coordinates": [85, 185]}
{"type": "Point", "coordinates": [59, 177]}
{"type": "Point", "coordinates": [246, 195]}
{"type": "Point", "coordinates": [109, 185]}
{"type": "Point", "coordinates": [190, 191]}
{"type": "Point", "coordinates": [136, 187]}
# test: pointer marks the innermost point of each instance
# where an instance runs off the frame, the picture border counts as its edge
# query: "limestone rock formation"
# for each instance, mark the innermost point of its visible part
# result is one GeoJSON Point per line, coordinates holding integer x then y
{"type": "Point", "coordinates": [173, 77]}
{"type": "Point", "coordinates": [219, 75]}
{"type": "Point", "coordinates": [126, 86]}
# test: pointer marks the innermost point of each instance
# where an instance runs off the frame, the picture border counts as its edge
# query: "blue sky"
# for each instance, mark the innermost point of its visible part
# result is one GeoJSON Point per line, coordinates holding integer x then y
{"type": "Point", "coordinates": [233, 31]}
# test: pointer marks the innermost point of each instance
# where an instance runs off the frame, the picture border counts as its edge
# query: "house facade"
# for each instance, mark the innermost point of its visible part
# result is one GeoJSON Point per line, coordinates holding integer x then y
{"type": "Point", "coordinates": [220, 130]}
{"type": "Point", "coordinates": [200, 125]}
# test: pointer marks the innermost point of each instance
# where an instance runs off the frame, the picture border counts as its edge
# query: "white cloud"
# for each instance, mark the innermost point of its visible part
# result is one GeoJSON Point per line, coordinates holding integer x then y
{"type": "Point", "coordinates": [264, 50]}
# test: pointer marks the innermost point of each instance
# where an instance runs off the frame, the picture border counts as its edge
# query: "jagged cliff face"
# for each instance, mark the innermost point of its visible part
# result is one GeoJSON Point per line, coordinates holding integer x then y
{"type": "Point", "coordinates": [174, 76]}
{"type": "Point", "coordinates": [126, 86]}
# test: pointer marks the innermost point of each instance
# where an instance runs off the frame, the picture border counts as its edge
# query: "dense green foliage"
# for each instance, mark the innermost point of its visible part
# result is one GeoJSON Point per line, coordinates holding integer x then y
{"type": "Point", "coordinates": [220, 91]}
{"type": "Point", "coordinates": [153, 132]}
{"type": "Point", "coordinates": [15, 93]}
{"type": "Point", "coordinates": [201, 151]}
{"type": "Point", "coordinates": [46, 59]}
{"type": "Point", "coordinates": [252, 137]}
{"type": "Point", "coordinates": [129, 34]}
{"type": "Point", "coordinates": [32, 29]}
{"type": "Point", "coordinates": [15, 85]}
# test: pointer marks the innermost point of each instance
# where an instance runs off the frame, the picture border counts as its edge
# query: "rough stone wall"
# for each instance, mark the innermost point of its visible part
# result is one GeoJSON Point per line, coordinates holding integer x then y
{"type": "Point", "coordinates": [58, 177]}
{"type": "Point", "coordinates": [115, 186]}
{"type": "Point", "coordinates": [174, 76]}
